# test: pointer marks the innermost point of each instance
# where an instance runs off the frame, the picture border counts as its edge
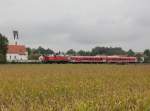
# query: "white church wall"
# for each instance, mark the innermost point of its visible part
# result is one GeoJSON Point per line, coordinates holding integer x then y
{"type": "Point", "coordinates": [16, 57]}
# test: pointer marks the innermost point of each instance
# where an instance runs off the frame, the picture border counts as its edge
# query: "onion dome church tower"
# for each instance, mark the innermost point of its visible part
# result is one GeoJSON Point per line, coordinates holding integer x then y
{"type": "Point", "coordinates": [16, 36]}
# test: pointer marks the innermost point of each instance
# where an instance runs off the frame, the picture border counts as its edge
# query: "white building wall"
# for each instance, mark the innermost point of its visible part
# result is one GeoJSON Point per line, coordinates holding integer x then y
{"type": "Point", "coordinates": [17, 57]}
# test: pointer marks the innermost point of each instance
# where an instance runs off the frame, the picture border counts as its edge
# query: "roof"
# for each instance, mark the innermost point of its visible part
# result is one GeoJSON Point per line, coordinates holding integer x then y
{"type": "Point", "coordinates": [17, 49]}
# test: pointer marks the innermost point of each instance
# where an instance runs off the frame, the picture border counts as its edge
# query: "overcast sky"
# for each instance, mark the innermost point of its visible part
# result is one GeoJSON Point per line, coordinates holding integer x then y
{"type": "Point", "coordinates": [77, 24]}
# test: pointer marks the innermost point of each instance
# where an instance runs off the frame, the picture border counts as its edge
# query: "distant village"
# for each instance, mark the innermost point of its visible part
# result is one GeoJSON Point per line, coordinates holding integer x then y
{"type": "Point", "coordinates": [17, 52]}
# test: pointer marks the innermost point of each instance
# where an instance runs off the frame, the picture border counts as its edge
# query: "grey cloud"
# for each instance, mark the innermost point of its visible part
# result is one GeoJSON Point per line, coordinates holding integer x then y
{"type": "Point", "coordinates": [78, 24]}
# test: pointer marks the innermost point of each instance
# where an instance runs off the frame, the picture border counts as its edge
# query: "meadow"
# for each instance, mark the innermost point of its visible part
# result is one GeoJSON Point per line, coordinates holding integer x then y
{"type": "Point", "coordinates": [74, 87]}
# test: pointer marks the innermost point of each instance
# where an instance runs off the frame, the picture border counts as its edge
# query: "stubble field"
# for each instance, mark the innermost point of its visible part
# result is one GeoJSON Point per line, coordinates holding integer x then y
{"type": "Point", "coordinates": [74, 87]}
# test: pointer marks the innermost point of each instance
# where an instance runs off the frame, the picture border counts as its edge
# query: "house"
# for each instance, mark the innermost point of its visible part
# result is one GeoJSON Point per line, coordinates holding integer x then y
{"type": "Point", "coordinates": [17, 53]}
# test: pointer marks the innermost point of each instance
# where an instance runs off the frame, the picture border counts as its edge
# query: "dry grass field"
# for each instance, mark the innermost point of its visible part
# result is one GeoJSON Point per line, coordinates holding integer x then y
{"type": "Point", "coordinates": [74, 87]}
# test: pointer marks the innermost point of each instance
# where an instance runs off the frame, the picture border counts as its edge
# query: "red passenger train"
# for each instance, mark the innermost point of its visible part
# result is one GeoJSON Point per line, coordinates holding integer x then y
{"type": "Point", "coordinates": [54, 59]}
{"type": "Point", "coordinates": [88, 59]}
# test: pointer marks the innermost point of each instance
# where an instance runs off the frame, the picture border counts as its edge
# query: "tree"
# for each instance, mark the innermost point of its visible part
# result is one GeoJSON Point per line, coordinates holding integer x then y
{"type": "Point", "coordinates": [43, 51]}
{"type": "Point", "coordinates": [107, 51]}
{"type": "Point", "coordinates": [147, 55]}
{"type": "Point", "coordinates": [147, 52]}
{"type": "Point", "coordinates": [71, 52]}
{"type": "Point", "coordinates": [98, 50]}
{"type": "Point", "coordinates": [81, 53]}
{"type": "Point", "coordinates": [3, 48]}
{"type": "Point", "coordinates": [130, 53]}
{"type": "Point", "coordinates": [49, 51]}
{"type": "Point", "coordinates": [29, 50]}
{"type": "Point", "coordinates": [84, 53]}
{"type": "Point", "coordinates": [88, 53]}
{"type": "Point", "coordinates": [34, 53]}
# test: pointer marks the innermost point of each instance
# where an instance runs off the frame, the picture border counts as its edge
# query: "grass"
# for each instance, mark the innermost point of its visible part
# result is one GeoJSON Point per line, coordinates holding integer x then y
{"type": "Point", "coordinates": [74, 87]}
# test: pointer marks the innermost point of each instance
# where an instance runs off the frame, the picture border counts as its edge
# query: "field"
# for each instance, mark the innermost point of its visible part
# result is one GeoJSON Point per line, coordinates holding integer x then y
{"type": "Point", "coordinates": [74, 87]}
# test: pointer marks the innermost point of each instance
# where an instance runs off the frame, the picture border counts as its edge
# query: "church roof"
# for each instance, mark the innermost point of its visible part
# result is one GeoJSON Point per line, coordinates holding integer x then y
{"type": "Point", "coordinates": [17, 49]}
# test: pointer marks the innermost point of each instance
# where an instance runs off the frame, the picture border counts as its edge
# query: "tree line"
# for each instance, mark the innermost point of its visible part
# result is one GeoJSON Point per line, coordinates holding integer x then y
{"type": "Point", "coordinates": [95, 51]}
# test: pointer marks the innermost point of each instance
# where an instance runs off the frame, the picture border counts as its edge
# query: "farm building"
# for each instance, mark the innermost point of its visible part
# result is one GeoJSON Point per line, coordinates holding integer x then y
{"type": "Point", "coordinates": [17, 53]}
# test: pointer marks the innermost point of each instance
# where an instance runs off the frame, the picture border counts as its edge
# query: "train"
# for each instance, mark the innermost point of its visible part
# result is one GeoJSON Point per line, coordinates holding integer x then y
{"type": "Point", "coordinates": [88, 59]}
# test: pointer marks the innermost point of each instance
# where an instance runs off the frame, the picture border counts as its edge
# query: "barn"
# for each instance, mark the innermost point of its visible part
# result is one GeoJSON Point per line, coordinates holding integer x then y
{"type": "Point", "coordinates": [17, 53]}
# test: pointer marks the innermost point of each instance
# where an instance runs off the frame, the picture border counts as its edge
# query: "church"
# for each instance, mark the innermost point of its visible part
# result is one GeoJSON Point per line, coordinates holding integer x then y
{"type": "Point", "coordinates": [16, 52]}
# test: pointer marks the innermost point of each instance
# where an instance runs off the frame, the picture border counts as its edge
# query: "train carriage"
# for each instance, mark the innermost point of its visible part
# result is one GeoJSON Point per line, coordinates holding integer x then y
{"type": "Point", "coordinates": [121, 59]}
{"type": "Point", "coordinates": [88, 59]}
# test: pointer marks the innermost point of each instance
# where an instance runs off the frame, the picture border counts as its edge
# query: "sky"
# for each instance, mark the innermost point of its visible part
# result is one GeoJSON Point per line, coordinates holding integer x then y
{"type": "Point", "coordinates": [77, 24]}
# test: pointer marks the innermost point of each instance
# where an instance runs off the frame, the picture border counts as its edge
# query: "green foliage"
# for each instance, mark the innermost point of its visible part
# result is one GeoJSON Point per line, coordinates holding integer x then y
{"type": "Point", "coordinates": [2, 58]}
{"type": "Point", "coordinates": [29, 50]}
{"type": "Point", "coordinates": [83, 53]}
{"type": "Point", "coordinates": [33, 54]}
{"type": "Point", "coordinates": [3, 48]}
{"type": "Point", "coordinates": [98, 51]}
{"type": "Point", "coordinates": [131, 53]}
{"type": "Point", "coordinates": [147, 52]}
{"type": "Point", "coordinates": [147, 56]}
{"type": "Point", "coordinates": [107, 51]}
{"type": "Point", "coordinates": [43, 51]}
{"type": "Point", "coordinates": [147, 59]}
{"type": "Point", "coordinates": [71, 52]}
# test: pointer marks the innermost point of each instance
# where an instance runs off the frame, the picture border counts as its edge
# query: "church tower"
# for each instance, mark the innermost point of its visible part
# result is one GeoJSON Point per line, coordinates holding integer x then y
{"type": "Point", "coordinates": [16, 36]}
